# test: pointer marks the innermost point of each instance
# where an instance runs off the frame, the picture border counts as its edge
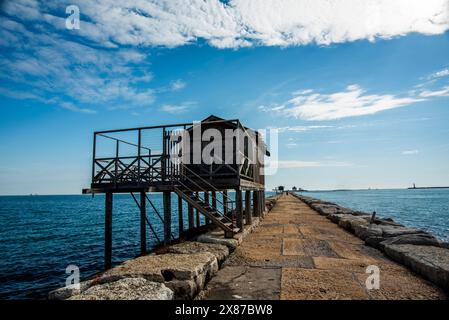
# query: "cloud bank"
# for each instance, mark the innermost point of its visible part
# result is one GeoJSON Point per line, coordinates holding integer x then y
{"type": "Point", "coordinates": [239, 23]}
{"type": "Point", "coordinates": [353, 101]}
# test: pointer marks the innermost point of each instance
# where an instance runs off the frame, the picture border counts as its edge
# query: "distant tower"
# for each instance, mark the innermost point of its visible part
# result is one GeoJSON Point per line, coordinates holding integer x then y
{"type": "Point", "coordinates": [414, 186]}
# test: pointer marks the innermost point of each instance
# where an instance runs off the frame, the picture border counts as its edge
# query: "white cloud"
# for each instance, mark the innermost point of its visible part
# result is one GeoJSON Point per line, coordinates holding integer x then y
{"type": "Point", "coordinates": [180, 108]}
{"type": "Point", "coordinates": [443, 92]}
{"type": "Point", "coordinates": [240, 23]}
{"type": "Point", "coordinates": [72, 107]}
{"type": "Point", "coordinates": [351, 102]}
{"type": "Point", "coordinates": [61, 70]}
{"type": "Point", "coordinates": [410, 152]}
{"type": "Point", "coordinates": [300, 128]}
{"type": "Point", "coordinates": [177, 85]}
{"type": "Point", "coordinates": [439, 74]}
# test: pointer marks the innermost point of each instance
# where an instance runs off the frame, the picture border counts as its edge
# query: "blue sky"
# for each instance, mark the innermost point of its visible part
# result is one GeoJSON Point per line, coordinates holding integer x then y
{"type": "Point", "coordinates": [356, 108]}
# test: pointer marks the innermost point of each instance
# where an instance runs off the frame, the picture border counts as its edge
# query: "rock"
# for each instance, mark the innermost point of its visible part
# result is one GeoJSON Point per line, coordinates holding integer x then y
{"type": "Point", "coordinates": [429, 261]}
{"type": "Point", "coordinates": [218, 250]}
{"type": "Point", "coordinates": [389, 231]}
{"type": "Point", "coordinates": [350, 222]}
{"type": "Point", "coordinates": [422, 239]}
{"type": "Point", "coordinates": [335, 217]}
{"type": "Point", "coordinates": [231, 243]}
{"type": "Point", "coordinates": [325, 210]}
{"type": "Point", "coordinates": [126, 289]}
{"type": "Point", "coordinates": [66, 292]}
{"type": "Point", "coordinates": [193, 268]}
{"type": "Point", "coordinates": [374, 235]}
{"type": "Point", "coordinates": [164, 267]}
{"type": "Point", "coordinates": [367, 231]}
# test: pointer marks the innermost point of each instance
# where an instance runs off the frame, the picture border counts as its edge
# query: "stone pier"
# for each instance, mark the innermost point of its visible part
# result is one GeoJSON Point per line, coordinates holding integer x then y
{"type": "Point", "coordinates": [298, 254]}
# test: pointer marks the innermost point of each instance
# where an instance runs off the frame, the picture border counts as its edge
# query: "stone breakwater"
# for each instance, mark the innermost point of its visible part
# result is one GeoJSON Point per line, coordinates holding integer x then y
{"type": "Point", "coordinates": [416, 249]}
{"type": "Point", "coordinates": [178, 271]}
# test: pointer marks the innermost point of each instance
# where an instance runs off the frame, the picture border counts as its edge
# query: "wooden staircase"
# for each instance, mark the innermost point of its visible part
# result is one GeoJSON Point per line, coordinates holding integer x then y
{"type": "Point", "coordinates": [213, 214]}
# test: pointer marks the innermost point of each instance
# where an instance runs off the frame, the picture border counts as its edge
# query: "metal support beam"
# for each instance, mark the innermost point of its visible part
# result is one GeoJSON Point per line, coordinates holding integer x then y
{"type": "Point", "coordinates": [108, 231]}
{"type": "Point", "coordinates": [167, 216]}
{"type": "Point", "coordinates": [143, 230]}
{"type": "Point", "coordinates": [248, 218]}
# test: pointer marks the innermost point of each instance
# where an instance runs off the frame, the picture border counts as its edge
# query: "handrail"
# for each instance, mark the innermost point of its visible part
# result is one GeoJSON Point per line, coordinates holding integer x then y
{"type": "Point", "coordinates": [215, 189]}
{"type": "Point", "coordinates": [196, 184]}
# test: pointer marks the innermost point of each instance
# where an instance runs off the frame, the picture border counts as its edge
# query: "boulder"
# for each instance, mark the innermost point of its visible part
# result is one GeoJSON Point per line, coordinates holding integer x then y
{"type": "Point", "coordinates": [389, 231]}
{"type": "Point", "coordinates": [429, 261]}
{"type": "Point", "coordinates": [367, 231]}
{"type": "Point", "coordinates": [126, 289]}
{"type": "Point", "coordinates": [325, 210]}
{"type": "Point", "coordinates": [231, 243]}
{"type": "Point", "coordinates": [421, 239]}
{"type": "Point", "coordinates": [221, 252]}
{"type": "Point", "coordinates": [66, 292]}
{"type": "Point", "coordinates": [374, 235]}
{"type": "Point", "coordinates": [335, 217]}
{"type": "Point", "coordinates": [350, 222]}
{"type": "Point", "coordinates": [194, 269]}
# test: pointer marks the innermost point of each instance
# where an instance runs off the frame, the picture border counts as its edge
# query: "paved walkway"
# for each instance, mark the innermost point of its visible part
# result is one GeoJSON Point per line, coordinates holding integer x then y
{"type": "Point", "coordinates": [297, 254]}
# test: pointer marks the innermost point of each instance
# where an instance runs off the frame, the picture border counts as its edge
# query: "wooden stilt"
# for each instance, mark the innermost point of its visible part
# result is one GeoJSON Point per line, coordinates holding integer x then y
{"type": "Point", "coordinates": [108, 231]}
{"type": "Point", "coordinates": [239, 208]}
{"type": "Point", "coordinates": [167, 217]}
{"type": "Point", "coordinates": [262, 192]}
{"type": "Point", "coordinates": [180, 217]}
{"type": "Point", "coordinates": [207, 201]}
{"type": "Point", "coordinates": [255, 204]}
{"type": "Point", "coordinates": [214, 200]}
{"type": "Point", "coordinates": [190, 216]}
{"type": "Point", "coordinates": [198, 221]}
{"type": "Point", "coordinates": [225, 202]}
{"type": "Point", "coordinates": [248, 217]}
{"type": "Point", "coordinates": [143, 230]}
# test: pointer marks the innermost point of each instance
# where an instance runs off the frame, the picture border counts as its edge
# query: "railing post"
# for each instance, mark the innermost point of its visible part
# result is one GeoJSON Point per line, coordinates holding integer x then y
{"type": "Point", "coordinates": [164, 153]}
{"type": "Point", "coordinates": [116, 160]}
{"type": "Point", "coordinates": [138, 155]}
{"type": "Point", "coordinates": [94, 156]}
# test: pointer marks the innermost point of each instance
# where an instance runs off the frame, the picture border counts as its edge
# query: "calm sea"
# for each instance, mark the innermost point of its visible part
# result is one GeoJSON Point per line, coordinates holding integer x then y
{"type": "Point", "coordinates": [41, 235]}
{"type": "Point", "coordinates": [426, 209]}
